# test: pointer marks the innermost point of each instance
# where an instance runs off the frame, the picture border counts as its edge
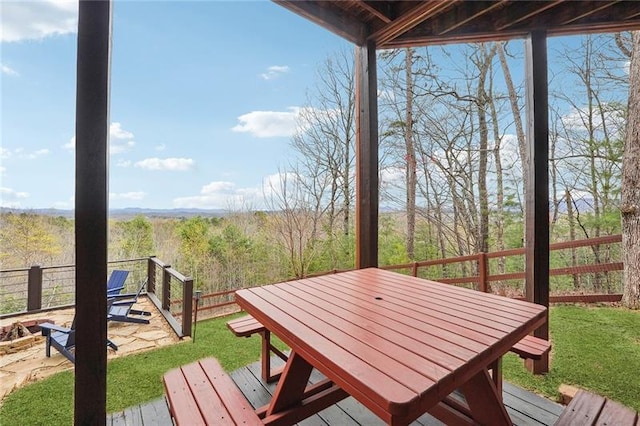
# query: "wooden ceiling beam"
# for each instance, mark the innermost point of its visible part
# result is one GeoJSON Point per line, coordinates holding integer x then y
{"type": "Point", "coordinates": [409, 20]}
{"type": "Point", "coordinates": [330, 17]}
{"type": "Point", "coordinates": [525, 10]}
{"type": "Point", "coordinates": [595, 7]}
{"type": "Point", "coordinates": [376, 9]}
{"type": "Point", "coordinates": [470, 11]}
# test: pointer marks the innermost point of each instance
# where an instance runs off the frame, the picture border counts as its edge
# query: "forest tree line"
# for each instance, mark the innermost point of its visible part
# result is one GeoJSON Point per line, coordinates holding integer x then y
{"type": "Point", "coordinates": [453, 168]}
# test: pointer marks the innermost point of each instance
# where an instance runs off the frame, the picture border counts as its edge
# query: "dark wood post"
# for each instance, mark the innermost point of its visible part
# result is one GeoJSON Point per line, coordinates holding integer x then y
{"type": "Point", "coordinates": [415, 269]}
{"type": "Point", "coordinates": [34, 288]}
{"type": "Point", "coordinates": [537, 192]}
{"type": "Point", "coordinates": [187, 306]}
{"type": "Point", "coordinates": [366, 157]}
{"type": "Point", "coordinates": [151, 275]}
{"type": "Point", "coordinates": [91, 210]}
{"type": "Point", "coordinates": [166, 288]}
{"type": "Point", "coordinates": [483, 272]}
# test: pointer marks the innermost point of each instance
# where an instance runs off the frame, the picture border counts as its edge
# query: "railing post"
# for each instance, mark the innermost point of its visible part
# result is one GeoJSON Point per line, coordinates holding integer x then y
{"type": "Point", "coordinates": [415, 269]}
{"type": "Point", "coordinates": [483, 273]}
{"type": "Point", "coordinates": [166, 288]}
{"type": "Point", "coordinates": [151, 275]}
{"type": "Point", "coordinates": [187, 306]}
{"type": "Point", "coordinates": [34, 288]}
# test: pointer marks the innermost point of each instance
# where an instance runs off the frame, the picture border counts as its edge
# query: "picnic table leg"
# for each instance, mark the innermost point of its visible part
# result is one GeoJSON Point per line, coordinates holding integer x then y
{"type": "Point", "coordinates": [496, 375]}
{"type": "Point", "coordinates": [292, 384]}
{"type": "Point", "coordinates": [266, 356]}
{"type": "Point", "coordinates": [484, 403]}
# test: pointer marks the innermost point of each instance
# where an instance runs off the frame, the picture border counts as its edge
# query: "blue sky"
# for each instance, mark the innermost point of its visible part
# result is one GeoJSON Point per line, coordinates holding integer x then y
{"type": "Point", "coordinates": [203, 100]}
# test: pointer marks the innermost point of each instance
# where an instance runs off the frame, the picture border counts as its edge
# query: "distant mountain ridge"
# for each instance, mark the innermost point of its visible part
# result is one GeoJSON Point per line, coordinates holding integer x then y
{"type": "Point", "coordinates": [126, 212]}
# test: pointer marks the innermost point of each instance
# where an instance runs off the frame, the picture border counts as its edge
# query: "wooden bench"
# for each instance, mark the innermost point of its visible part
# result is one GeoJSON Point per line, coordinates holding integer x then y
{"type": "Point", "coordinates": [247, 326]}
{"type": "Point", "coordinates": [202, 393]}
{"type": "Point", "coordinates": [586, 409]}
{"type": "Point", "coordinates": [529, 347]}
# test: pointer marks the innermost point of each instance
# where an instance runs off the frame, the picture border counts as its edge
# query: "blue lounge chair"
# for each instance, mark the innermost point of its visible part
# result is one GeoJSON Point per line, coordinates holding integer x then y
{"type": "Point", "coordinates": [121, 309]}
{"type": "Point", "coordinates": [116, 282]}
{"type": "Point", "coordinates": [64, 339]}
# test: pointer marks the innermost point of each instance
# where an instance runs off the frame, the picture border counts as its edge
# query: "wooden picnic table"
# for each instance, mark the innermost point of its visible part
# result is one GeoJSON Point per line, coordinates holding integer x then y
{"type": "Point", "coordinates": [400, 345]}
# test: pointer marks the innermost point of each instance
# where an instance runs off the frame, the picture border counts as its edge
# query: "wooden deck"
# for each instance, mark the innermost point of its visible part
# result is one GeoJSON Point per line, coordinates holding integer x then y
{"type": "Point", "coordinates": [525, 408]}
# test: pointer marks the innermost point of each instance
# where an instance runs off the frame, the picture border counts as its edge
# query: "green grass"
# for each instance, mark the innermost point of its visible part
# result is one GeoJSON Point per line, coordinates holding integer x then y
{"type": "Point", "coordinates": [131, 380]}
{"type": "Point", "coordinates": [596, 348]}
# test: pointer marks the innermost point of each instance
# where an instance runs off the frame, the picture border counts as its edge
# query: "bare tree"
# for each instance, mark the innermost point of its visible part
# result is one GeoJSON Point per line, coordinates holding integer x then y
{"type": "Point", "coordinates": [630, 206]}
{"type": "Point", "coordinates": [326, 138]}
{"type": "Point", "coordinates": [297, 210]}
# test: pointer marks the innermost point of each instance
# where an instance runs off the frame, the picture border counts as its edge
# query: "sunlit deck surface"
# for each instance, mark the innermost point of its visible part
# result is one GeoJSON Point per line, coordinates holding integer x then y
{"type": "Point", "coordinates": [525, 408]}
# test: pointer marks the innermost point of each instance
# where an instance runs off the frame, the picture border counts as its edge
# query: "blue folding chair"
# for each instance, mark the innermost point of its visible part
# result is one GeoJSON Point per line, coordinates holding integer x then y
{"type": "Point", "coordinates": [116, 282]}
{"type": "Point", "coordinates": [63, 339]}
{"type": "Point", "coordinates": [121, 309]}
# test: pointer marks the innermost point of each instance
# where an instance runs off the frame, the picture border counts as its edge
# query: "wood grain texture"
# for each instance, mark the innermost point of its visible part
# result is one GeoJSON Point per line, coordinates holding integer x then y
{"type": "Point", "coordinates": [398, 344]}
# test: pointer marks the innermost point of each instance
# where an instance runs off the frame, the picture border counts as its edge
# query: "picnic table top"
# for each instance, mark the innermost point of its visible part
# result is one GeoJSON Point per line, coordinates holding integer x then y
{"type": "Point", "coordinates": [398, 344]}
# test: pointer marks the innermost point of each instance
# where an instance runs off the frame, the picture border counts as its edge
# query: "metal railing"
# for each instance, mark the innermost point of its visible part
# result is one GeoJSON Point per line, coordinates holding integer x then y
{"type": "Point", "coordinates": [41, 289]}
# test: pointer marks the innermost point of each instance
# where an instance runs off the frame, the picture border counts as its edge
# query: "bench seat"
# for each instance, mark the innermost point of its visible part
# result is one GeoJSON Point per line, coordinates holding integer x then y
{"type": "Point", "coordinates": [531, 347]}
{"type": "Point", "coordinates": [586, 409]}
{"type": "Point", "coordinates": [247, 326]}
{"type": "Point", "coordinates": [202, 393]}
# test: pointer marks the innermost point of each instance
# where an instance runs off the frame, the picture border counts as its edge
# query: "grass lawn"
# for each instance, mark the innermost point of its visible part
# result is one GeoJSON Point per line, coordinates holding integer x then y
{"type": "Point", "coordinates": [594, 348]}
{"type": "Point", "coordinates": [597, 348]}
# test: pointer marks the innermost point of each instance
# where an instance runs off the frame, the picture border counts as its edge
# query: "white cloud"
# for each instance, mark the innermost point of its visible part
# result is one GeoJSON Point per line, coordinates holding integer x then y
{"type": "Point", "coordinates": [268, 124]}
{"type": "Point", "coordinates": [7, 70]}
{"type": "Point", "coordinates": [71, 145]}
{"type": "Point", "coordinates": [392, 176]}
{"type": "Point", "coordinates": [36, 154]}
{"type": "Point", "coordinates": [21, 153]}
{"type": "Point", "coordinates": [135, 196]}
{"type": "Point", "coordinates": [123, 163]}
{"type": "Point", "coordinates": [117, 132]}
{"type": "Point", "coordinates": [170, 164]}
{"type": "Point", "coordinates": [577, 119]}
{"type": "Point", "coordinates": [2, 170]}
{"type": "Point", "coordinates": [120, 140]}
{"type": "Point", "coordinates": [33, 20]}
{"type": "Point", "coordinates": [161, 147]}
{"type": "Point", "coordinates": [275, 71]}
{"type": "Point", "coordinates": [10, 198]}
{"type": "Point", "coordinates": [218, 195]}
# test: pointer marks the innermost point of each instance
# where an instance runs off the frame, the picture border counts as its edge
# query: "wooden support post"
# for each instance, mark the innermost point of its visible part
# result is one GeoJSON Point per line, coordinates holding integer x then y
{"type": "Point", "coordinates": [91, 210]}
{"type": "Point", "coordinates": [166, 288]}
{"type": "Point", "coordinates": [187, 306]}
{"type": "Point", "coordinates": [537, 192]}
{"type": "Point", "coordinates": [483, 273]}
{"type": "Point", "coordinates": [151, 275]}
{"type": "Point", "coordinates": [34, 288]}
{"type": "Point", "coordinates": [366, 157]}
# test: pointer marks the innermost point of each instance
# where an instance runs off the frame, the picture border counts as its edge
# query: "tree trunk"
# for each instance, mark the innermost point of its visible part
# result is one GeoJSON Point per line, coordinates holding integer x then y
{"type": "Point", "coordinates": [630, 206]}
{"type": "Point", "coordinates": [410, 157]}
{"type": "Point", "coordinates": [517, 118]}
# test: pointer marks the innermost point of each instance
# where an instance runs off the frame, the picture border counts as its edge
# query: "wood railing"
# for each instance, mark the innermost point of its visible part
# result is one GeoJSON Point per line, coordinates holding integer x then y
{"type": "Point", "coordinates": [482, 279]}
{"type": "Point", "coordinates": [172, 292]}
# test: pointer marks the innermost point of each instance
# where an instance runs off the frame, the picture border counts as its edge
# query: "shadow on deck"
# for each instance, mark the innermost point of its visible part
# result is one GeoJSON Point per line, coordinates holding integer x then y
{"type": "Point", "coordinates": [525, 408]}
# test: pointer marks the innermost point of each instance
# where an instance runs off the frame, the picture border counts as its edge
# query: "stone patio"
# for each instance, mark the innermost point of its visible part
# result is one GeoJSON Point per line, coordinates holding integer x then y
{"type": "Point", "coordinates": [30, 364]}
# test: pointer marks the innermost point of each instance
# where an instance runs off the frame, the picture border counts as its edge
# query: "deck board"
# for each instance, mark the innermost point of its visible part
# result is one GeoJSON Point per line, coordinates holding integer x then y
{"type": "Point", "coordinates": [524, 408]}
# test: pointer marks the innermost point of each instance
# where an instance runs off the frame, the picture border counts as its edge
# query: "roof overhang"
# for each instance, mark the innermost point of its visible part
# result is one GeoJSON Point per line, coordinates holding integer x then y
{"type": "Point", "coordinates": [396, 24]}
